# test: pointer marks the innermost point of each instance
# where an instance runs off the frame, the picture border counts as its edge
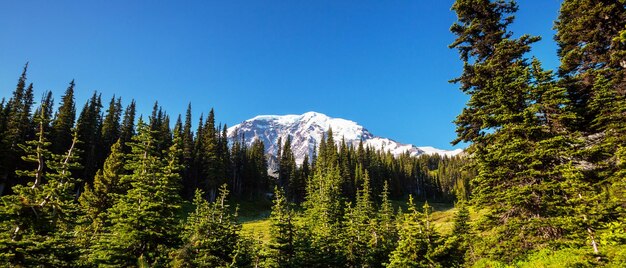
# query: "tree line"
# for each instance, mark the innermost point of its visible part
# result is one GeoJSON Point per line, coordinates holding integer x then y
{"type": "Point", "coordinates": [107, 188]}
{"type": "Point", "coordinates": [545, 171]}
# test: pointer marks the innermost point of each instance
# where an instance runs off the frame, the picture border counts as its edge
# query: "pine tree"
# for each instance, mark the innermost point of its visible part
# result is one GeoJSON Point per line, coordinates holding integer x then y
{"type": "Point", "coordinates": [238, 165]}
{"type": "Point", "coordinates": [515, 120]}
{"type": "Point", "coordinates": [297, 183]}
{"type": "Point", "coordinates": [143, 221]}
{"type": "Point", "coordinates": [44, 110]}
{"type": "Point", "coordinates": [107, 187]}
{"type": "Point", "coordinates": [127, 128]}
{"type": "Point", "coordinates": [358, 230]}
{"type": "Point", "coordinates": [64, 121]}
{"type": "Point", "coordinates": [17, 130]}
{"type": "Point", "coordinates": [209, 158]}
{"type": "Point", "coordinates": [210, 236]}
{"type": "Point", "coordinates": [585, 50]}
{"type": "Point", "coordinates": [89, 126]}
{"type": "Point", "coordinates": [453, 252]}
{"type": "Point", "coordinates": [38, 219]}
{"type": "Point", "coordinates": [258, 178]}
{"type": "Point", "coordinates": [110, 127]}
{"type": "Point", "coordinates": [384, 232]}
{"type": "Point", "coordinates": [323, 212]}
{"type": "Point", "coordinates": [287, 169]}
{"type": "Point", "coordinates": [282, 246]}
{"type": "Point", "coordinates": [418, 239]}
{"type": "Point", "coordinates": [189, 183]}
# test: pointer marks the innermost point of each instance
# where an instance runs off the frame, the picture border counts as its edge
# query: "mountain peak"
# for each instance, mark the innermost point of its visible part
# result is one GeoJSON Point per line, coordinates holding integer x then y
{"type": "Point", "coordinates": [306, 131]}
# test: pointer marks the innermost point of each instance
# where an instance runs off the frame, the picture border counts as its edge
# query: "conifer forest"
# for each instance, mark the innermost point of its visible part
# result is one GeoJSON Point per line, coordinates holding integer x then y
{"type": "Point", "coordinates": [542, 182]}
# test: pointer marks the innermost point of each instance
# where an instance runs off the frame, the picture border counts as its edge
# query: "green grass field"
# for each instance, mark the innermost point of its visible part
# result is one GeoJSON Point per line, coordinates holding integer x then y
{"type": "Point", "coordinates": [255, 217]}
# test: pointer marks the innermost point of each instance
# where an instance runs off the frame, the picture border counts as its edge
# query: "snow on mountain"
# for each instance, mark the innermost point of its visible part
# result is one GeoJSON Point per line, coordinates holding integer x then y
{"type": "Point", "coordinates": [307, 130]}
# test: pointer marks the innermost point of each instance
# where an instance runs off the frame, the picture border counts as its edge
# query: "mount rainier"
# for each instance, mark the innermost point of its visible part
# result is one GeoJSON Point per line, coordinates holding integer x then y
{"type": "Point", "coordinates": [306, 132]}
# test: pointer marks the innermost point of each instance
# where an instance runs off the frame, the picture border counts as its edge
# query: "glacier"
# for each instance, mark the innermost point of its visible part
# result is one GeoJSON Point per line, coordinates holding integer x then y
{"type": "Point", "coordinates": [306, 131]}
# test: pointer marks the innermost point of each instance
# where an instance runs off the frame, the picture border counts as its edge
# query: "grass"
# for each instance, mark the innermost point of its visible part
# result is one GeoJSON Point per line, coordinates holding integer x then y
{"type": "Point", "coordinates": [257, 228]}
{"type": "Point", "coordinates": [254, 217]}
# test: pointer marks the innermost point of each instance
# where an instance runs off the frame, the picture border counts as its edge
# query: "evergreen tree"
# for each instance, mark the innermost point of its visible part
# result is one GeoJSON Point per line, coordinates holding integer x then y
{"type": "Point", "coordinates": [515, 121]}
{"type": "Point", "coordinates": [110, 127]}
{"type": "Point", "coordinates": [189, 183]}
{"type": "Point", "coordinates": [107, 187]}
{"type": "Point", "coordinates": [584, 50]}
{"type": "Point", "coordinates": [417, 239]}
{"type": "Point", "coordinates": [127, 129]}
{"type": "Point", "coordinates": [287, 168]}
{"type": "Point", "coordinates": [143, 222]}
{"type": "Point", "coordinates": [89, 126]}
{"type": "Point", "coordinates": [323, 212]}
{"type": "Point", "coordinates": [37, 221]}
{"type": "Point", "coordinates": [297, 183]}
{"type": "Point", "coordinates": [384, 233]}
{"type": "Point", "coordinates": [64, 121]}
{"type": "Point", "coordinates": [44, 110]}
{"type": "Point", "coordinates": [17, 130]}
{"type": "Point", "coordinates": [210, 236]}
{"type": "Point", "coordinates": [257, 166]}
{"type": "Point", "coordinates": [358, 231]}
{"type": "Point", "coordinates": [209, 159]}
{"type": "Point", "coordinates": [456, 246]}
{"type": "Point", "coordinates": [238, 158]}
{"type": "Point", "coordinates": [282, 246]}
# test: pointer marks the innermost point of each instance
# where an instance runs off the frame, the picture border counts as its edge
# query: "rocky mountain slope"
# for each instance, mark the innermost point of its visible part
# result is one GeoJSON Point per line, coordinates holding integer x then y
{"type": "Point", "coordinates": [306, 132]}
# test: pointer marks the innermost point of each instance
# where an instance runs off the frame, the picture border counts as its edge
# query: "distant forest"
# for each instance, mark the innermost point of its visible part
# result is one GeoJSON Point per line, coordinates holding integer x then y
{"type": "Point", "coordinates": [542, 183]}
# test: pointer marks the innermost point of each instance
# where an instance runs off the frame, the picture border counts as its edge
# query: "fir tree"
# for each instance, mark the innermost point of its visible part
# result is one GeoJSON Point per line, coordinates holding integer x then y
{"type": "Point", "coordinates": [417, 239]}
{"type": "Point", "coordinates": [17, 130]}
{"type": "Point", "coordinates": [515, 120]}
{"type": "Point", "coordinates": [110, 127]}
{"type": "Point", "coordinates": [358, 230]}
{"type": "Point", "coordinates": [89, 126]}
{"type": "Point", "coordinates": [323, 212]}
{"type": "Point", "coordinates": [210, 236]}
{"type": "Point", "coordinates": [258, 178]}
{"type": "Point", "coordinates": [64, 121]}
{"type": "Point", "coordinates": [107, 187]}
{"type": "Point", "coordinates": [189, 185]}
{"type": "Point", "coordinates": [143, 221]}
{"type": "Point", "coordinates": [127, 128]}
{"type": "Point", "coordinates": [39, 217]}
{"type": "Point", "coordinates": [282, 246]}
{"type": "Point", "coordinates": [384, 235]}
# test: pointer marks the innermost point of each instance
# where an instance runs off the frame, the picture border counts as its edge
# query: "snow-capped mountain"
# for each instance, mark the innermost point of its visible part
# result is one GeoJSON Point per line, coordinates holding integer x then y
{"type": "Point", "coordinates": [306, 132]}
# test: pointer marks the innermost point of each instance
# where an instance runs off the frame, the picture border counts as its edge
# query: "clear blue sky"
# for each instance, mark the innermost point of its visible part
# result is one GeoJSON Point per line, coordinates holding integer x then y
{"type": "Point", "coordinates": [383, 64]}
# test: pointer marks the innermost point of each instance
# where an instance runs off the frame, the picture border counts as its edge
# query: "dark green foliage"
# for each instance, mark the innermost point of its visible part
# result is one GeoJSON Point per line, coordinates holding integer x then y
{"type": "Point", "coordinates": [358, 229]}
{"type": "Point", "coordinates": [61, 134]}
{"type": "Point", "coordinates": [127, 128]}
{"type": "Point", "coordinates": [546, 162]}
{"type": "Point", "coordinates": [282, 247]}
{"type": "Point", "coordinates": [110, 128]}
{"type": "Point", "coordinates": [89, 125]}
{"type": "Point", "coordinates": [516, 119]}
{"type": "Point", "coordinates": [107, 187]}
{"type": "Point", "coordinates": [17, 129]}
{"type": "Point", "coordinates": [324, 211]}
{"type": "Point", "coordinates": [38, 219]}
{"type": "Point", "coordinates": [143, 222]}
{"type": "Point", "coordinates": [189, 181]}
{"type": "Point", "coordinates": [208, 160]}
{"type": "Point", "coordinates": [417, 240]}
{"type": "Point", "coordinates": [210, 235]}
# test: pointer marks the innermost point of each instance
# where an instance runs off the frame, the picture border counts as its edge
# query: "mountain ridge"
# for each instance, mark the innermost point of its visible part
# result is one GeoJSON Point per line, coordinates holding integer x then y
{"type": "Point", "coordinates": [307, 130]}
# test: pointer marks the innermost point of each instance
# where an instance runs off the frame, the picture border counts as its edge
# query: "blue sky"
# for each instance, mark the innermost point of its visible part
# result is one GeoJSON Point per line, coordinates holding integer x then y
{"type": "Point", "coordinates": [383, 64]}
